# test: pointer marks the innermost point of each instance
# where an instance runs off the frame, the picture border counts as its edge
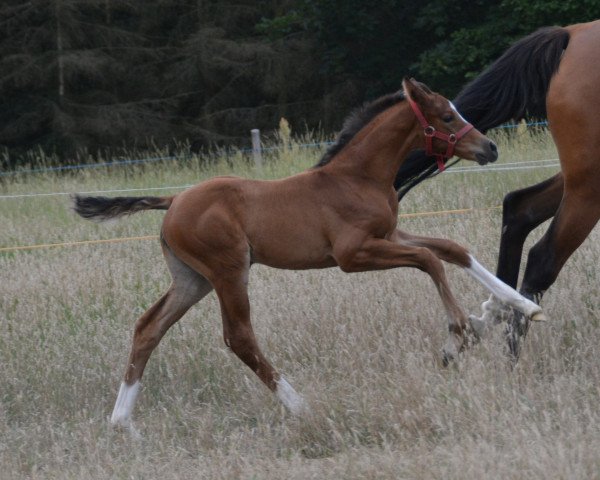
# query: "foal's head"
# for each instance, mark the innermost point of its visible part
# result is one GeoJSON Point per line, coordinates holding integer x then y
{"type": "Point", "coordinates": [443, 130]}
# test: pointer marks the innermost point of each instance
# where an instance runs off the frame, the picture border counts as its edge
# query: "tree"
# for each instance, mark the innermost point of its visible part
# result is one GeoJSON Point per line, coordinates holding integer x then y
{"type": "Point", "coordinates": [465, 45]}
{"type": "Point", "coordinates": [108, 74]}
{"type": "Point", "coordinates": [64, 64]}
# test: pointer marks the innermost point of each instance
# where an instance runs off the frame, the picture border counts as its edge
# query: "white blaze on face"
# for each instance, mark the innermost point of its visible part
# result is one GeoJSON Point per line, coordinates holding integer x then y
{"type": "Point", "coordinates": [458, 113]}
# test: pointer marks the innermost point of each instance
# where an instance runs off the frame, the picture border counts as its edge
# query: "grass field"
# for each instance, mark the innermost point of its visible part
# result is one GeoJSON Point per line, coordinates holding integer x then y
{"type": "Point", "coordinates": [362, 348]}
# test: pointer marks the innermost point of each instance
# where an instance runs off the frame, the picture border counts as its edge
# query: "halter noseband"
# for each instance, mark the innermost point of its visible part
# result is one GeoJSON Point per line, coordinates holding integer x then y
{"type": "Point", "coordinates": [431, 133]}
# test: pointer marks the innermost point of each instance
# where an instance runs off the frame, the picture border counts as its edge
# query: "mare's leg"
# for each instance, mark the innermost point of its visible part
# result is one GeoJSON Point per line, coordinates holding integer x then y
{"type": "Point", "coordinates": [572, 104]}
{"type": "Point", "coordinates": [239, 336]}
{"type": "Point", "coordinates": [187, 288]}
{"type": "Point", "coordinates": [522, 211]}
{"type": "Point", "coordinates": [577, 215]}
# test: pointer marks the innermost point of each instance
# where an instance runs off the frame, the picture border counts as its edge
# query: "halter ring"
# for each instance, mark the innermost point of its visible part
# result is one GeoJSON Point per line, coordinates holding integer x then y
{"type": "Point", "coordinates": [430, 133]}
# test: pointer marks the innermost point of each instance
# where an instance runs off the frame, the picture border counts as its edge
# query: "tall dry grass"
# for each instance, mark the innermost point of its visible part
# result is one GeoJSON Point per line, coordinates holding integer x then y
{"type": "Point", "coordinates": [362, 348]}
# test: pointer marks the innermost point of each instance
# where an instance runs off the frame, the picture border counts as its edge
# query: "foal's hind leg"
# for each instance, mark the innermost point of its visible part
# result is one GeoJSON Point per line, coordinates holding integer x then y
{"type": "Point", "coordinates": [187, 288]}
{"type": "Point", "coordinates": [239, 336]}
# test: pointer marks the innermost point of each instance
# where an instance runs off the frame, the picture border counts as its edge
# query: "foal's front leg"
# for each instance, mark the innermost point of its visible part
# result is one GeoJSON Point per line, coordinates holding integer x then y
{"type": "Point", "coordinates": [451, 252]}
{"type": "Point", "coordinates": [380, 254]}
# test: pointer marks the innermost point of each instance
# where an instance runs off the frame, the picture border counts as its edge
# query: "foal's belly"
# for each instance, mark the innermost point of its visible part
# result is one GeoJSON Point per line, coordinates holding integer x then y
{"type": "Point", "coordinates": [294, 249]}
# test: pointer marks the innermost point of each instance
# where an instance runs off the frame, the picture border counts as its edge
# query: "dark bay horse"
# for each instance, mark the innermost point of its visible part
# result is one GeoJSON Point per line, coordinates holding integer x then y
{"type": "Point", "coordinates": [553, 73]}
{"type": "Point", "coordinates": [343, 212]}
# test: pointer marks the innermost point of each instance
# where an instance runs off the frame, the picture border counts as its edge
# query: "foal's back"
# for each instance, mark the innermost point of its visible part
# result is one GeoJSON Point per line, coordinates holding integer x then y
{"type": "Point", "coordinates": [287, 223]}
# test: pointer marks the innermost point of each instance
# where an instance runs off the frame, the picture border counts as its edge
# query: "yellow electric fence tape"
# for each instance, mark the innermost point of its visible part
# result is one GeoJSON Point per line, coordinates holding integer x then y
{"type": "Point", "coordinates": [155, 237]}
{"type": "Point", "coordinates": [82, 242]}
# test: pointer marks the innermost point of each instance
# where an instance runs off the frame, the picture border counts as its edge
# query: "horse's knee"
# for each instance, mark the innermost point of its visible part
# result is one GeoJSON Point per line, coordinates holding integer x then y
{"type": "Point", "coordinates": [456, 253]}
{"type": "Point", "coordinates": [146, 328]}
{"type": "Point", "coordinates": [429, 262]}
{"type": "Point", "coordinates": [525, 209]}
{"type": "Point", "coordinates": [147, 337]}
{"type": "Point", "coordinates": [241, 342]}
{"type": "Point", "coordinates": [515, 220]}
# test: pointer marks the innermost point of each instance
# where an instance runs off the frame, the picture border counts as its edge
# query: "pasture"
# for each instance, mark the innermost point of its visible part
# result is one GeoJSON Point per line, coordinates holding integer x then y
{"type": "Point", "coordinates": [363, 349]}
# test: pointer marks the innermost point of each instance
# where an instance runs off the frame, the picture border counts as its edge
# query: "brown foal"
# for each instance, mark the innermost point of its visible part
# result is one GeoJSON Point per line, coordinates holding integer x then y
{"type": "Point", "coordinates": [343, 212]}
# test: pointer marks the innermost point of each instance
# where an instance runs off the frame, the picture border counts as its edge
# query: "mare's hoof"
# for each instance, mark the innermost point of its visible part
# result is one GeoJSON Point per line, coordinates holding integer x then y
{"type": "Point", "coordinates": [539, 317]}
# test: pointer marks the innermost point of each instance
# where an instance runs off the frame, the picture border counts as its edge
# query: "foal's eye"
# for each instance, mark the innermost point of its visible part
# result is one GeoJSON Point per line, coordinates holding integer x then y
{"type": "Point", "coordinates": [448, 118]}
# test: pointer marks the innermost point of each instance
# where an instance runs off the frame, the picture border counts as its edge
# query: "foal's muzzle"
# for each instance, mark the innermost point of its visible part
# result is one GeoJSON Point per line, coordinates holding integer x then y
{"type": "Point", "coordinates": [490, 154]}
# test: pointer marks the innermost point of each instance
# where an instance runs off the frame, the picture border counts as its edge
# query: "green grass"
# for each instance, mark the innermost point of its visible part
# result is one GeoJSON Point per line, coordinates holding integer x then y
{"type": "Point", "coordinates": [362, 348]}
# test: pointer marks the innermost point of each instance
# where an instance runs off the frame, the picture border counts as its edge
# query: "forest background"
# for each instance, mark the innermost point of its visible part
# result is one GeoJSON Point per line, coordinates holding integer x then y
{"type": "Point", "coordinates": [92, 78]}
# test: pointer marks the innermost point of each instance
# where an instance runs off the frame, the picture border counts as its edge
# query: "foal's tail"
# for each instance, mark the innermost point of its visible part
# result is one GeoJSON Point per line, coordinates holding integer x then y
{"type": "Point", "coordinates": [104, 208]}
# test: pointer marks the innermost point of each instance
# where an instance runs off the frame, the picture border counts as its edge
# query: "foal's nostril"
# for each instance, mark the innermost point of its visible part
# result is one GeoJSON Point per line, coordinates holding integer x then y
{"type": "Point", "coordinates": [494, 150]}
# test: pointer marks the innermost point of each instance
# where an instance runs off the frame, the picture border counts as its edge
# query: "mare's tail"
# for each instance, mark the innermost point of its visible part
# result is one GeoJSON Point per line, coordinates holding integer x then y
{"type": "Point", "coordinates": [515, 85]}
{"type": "Point", "coordinates": [104, 208]}
{"type": "Point", "coordinates": [511, 88]}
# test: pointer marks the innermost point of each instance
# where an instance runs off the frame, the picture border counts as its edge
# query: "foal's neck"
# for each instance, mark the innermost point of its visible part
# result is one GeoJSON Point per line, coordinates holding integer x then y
{"type": "Point", "coordinates": [378, 150]}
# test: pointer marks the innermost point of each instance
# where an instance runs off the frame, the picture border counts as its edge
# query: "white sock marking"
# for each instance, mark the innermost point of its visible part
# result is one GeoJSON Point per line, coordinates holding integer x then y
{"type": "Point", "coordinates": [289, 397]}
{"type": "Point", "coordinates": [121, 414]}
{"type": "Point", "coordinates": [502, 291]}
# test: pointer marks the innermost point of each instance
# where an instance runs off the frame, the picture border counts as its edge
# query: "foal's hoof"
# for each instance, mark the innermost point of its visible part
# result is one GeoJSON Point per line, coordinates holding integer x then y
{"type": "Point", "coordinates": [450, 350]}
{"type": "Point", "coordinates": [126, 425]}
{"type": "Point", "coordinates": [292, 401]}
{"type": "Point", "coordinates": [539, 317]}
{"type": "Point", "coordinates": [447, 358]}
{"type": "Point", "coordinates": [479, 327]}
{"type": "Point", "coordinates": [301, 410]}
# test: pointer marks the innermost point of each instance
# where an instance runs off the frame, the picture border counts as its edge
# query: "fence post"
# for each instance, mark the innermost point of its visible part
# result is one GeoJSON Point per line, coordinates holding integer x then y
{"type": "Point", "coordinates": [256, 149]}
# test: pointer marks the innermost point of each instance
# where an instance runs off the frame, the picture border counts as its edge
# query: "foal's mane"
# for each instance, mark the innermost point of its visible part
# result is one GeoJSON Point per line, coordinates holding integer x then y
{"type": "Point", "coordinates": [357, 120]}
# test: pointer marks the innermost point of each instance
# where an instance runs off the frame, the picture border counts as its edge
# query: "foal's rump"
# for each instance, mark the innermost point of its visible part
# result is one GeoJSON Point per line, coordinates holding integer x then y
{"type": "Point", "coordinates": [279, 223]}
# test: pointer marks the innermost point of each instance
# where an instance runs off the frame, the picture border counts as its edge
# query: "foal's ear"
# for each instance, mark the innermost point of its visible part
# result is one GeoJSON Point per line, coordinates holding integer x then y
{"type": "Point", "coordinates": [416, 91]}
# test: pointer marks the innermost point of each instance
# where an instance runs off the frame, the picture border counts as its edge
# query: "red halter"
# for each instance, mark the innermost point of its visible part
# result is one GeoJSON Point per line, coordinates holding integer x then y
{"type": "Point", "coordinates": [431, 133]}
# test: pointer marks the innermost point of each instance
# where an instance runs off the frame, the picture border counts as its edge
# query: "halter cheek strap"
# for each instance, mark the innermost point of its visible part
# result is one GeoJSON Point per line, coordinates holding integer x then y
{"type": "Point", "coordinates": [430, 133]}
